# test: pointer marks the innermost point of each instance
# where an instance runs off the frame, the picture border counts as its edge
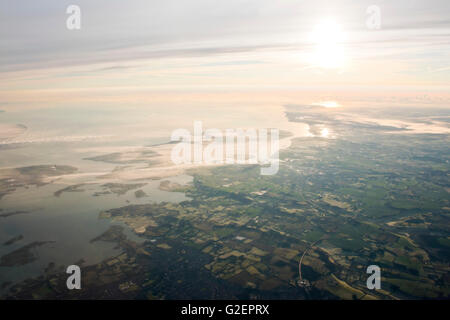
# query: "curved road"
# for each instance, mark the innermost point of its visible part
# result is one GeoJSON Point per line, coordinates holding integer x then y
{"type": "Point", "coordinates": [301, 259]}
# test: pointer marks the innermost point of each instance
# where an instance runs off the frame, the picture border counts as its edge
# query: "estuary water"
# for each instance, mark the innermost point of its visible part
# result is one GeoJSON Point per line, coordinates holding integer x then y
{"type": "Point", "coordinates": [68, 136]}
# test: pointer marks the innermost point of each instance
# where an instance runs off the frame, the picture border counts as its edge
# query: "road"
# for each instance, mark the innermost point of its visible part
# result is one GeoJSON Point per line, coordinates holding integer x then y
{"type": "Point", "coordinates": [301, 259]}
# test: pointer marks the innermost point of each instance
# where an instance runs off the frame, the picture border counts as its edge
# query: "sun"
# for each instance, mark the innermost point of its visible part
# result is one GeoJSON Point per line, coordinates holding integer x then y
{"type": "Point", "coordinates": [328, 38]}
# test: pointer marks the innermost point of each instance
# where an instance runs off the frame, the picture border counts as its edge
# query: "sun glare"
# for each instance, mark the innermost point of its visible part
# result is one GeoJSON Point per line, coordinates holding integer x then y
{"type": "Point", "coordinates": [329, 51]}
{"type": "Point", "coordinates": [327, 104]}
{"type": "Point", "coordinates": [324, 133]}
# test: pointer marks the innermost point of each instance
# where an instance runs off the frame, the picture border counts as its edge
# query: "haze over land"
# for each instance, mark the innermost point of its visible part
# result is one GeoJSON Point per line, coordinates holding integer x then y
{"type": "Point", "coordinates": [85, 170]}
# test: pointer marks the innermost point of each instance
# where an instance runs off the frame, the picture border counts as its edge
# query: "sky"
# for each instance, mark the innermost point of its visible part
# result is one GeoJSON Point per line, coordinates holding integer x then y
{"type": "Point", "coordinates": [138, 46]}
